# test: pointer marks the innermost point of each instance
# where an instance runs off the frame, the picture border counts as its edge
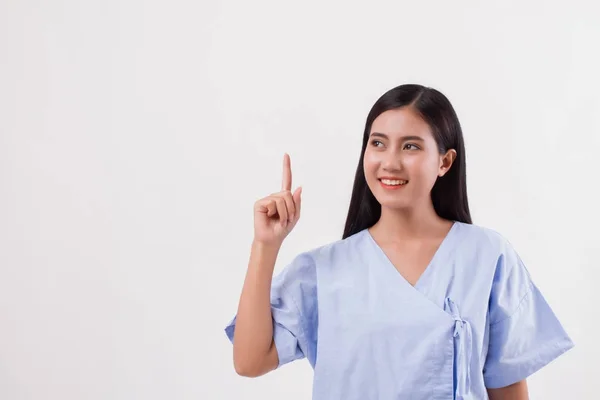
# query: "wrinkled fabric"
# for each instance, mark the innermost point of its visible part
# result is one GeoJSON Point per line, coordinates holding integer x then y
{"type": "Point", "coordinates": [474, 320]}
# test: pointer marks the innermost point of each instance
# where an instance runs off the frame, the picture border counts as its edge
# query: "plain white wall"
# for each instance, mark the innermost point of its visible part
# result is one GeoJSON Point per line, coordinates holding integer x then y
{"type": "Point", "coordinates": [135, 137]}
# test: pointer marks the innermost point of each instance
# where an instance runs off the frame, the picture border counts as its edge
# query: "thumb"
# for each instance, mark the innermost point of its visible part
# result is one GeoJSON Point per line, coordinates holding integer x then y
{"type": "Point", "coordinates": [297, 196]}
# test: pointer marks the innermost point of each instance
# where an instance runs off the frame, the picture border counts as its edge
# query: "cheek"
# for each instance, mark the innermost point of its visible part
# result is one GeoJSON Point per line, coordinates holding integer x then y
{"type": "Point", "coordinates": [423, 168]}
{"type": "Point", "coordinates": [370, 163]}
{"type": "Point", "coordinates": [371, 167]}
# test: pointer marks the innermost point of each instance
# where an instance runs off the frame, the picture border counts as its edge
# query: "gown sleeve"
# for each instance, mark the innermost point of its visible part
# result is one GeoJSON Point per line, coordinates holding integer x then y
{"type": "Point", "coordinates": [524, 333]}
{"type": "Point", "coordinates": [294, 311]}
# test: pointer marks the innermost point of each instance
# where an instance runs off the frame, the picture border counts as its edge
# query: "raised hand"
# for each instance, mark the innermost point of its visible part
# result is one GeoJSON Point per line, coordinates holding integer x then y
{"type": "Point", "coordinates": [276, 215]}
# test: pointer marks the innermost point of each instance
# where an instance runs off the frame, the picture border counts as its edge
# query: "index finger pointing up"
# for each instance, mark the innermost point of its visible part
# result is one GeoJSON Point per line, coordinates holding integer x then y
{"type": "Point", "coordinates": [286, 183]}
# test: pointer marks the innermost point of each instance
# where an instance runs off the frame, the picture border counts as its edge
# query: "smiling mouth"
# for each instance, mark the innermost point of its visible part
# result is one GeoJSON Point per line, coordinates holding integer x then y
{"type": "Point", "coordinates": [393, 182]}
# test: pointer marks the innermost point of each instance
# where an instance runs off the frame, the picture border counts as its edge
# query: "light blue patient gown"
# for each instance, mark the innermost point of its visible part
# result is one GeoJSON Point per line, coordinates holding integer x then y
{"type": "Point", "coordinates": [473, 320]}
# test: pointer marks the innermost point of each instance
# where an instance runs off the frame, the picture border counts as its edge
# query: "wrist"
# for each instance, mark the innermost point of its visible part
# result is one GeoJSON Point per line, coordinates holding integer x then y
{"type": "Point", "coordinates": [261, 247]}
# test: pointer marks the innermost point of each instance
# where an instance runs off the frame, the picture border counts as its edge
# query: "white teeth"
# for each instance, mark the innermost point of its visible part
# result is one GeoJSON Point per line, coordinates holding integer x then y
{"type": "Point", "coordinates": [393, 182]}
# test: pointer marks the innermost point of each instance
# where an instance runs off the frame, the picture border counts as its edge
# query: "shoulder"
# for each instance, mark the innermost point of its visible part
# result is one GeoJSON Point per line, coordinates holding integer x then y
{"type": "Point", "coordinates": [336, 249]}
{"type": "Point", "coordinates": [483, 238]}
{"type": "Point", "coordinates": [510, 278]}
{"type": "Point", "coordinates": [483, 235]}
{"type": "Point", "coordinates": [306, 264]}
{"type": "Point", "coordinates": [490, 252]}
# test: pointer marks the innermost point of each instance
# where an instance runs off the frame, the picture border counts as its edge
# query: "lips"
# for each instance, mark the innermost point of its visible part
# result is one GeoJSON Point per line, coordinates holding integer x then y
{"type": "Point", "coordinates": [390, 183]}
{"type": "Point", "coordinates": [393, 182]}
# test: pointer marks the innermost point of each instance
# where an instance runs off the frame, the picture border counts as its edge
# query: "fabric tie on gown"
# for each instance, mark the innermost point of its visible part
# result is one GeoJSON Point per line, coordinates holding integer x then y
{"type": "Point", "coordinates": [463, 337]}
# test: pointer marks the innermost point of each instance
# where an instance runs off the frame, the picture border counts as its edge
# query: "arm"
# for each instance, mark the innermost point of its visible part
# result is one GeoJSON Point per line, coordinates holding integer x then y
{"type": "Point", "coordinates": [254, 351]}
{"type": "Point", "coordinates": [516, 391]}
{"type": "Point", "coordinates": [524, 333]}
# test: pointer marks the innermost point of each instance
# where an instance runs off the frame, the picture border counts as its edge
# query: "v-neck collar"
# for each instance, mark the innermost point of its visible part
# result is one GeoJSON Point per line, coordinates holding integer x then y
{"type": "Point", "coordinates": [440, 253]}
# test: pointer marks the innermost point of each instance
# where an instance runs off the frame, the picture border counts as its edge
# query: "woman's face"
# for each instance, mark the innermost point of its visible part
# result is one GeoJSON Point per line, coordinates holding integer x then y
{"type": "Point", "coordinates": [402, 161]}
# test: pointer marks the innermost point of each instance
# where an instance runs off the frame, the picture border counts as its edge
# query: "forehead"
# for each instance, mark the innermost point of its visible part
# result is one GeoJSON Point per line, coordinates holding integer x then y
{"type": "Point", "coordinates": [400, 122]}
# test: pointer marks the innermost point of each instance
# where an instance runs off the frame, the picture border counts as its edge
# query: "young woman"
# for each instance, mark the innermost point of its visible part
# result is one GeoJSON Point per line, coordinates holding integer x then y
{"type": "Point", "coordinates": [414, 301]}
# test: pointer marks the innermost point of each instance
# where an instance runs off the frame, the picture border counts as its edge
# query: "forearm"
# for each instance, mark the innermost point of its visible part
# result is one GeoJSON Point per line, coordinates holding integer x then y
{"type": "Point", "coordinates": [517, 391]}
{"type": "Point", "coordinates": [253, 337]}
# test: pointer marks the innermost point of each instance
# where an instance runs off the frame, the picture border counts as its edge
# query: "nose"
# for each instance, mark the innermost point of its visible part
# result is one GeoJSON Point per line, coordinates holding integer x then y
{"type": "Point", "coordinates": [391, 162]}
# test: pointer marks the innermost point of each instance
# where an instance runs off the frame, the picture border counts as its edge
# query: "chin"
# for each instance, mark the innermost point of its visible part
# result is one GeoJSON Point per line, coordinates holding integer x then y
{"type": "Point", "coordinates": [395, 205]}
{"type": "Point", "coordinates": [393, 202]}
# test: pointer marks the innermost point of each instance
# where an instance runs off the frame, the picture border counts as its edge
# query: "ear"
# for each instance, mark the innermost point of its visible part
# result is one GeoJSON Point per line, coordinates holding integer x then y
{"type": "Point", "coordinates": [446, 161]}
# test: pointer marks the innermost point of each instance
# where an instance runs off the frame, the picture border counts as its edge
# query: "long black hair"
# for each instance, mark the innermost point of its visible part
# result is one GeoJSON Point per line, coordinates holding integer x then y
{"type": "Point", "coordinates": [449, 193]}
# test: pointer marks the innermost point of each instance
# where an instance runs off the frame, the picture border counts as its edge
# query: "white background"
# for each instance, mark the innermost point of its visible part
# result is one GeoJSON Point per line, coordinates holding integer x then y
{"type": "Point", "coordinates": [135, 137]}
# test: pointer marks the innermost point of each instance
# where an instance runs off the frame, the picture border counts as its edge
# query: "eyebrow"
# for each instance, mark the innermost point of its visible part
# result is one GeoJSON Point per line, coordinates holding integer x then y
{"type": "Point", "coordinates": [408, 137]}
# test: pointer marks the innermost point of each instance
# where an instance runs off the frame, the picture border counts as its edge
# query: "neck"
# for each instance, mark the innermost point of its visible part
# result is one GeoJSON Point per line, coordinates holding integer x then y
{"type": "Point", "coordinates": [410, 223]}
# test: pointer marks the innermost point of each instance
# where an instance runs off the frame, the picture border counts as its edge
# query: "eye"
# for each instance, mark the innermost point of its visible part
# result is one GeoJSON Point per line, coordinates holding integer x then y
{"type": "Point", "coordinates": [376, 143]}
{"type": "Point", "coordinates": [414, 146]}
